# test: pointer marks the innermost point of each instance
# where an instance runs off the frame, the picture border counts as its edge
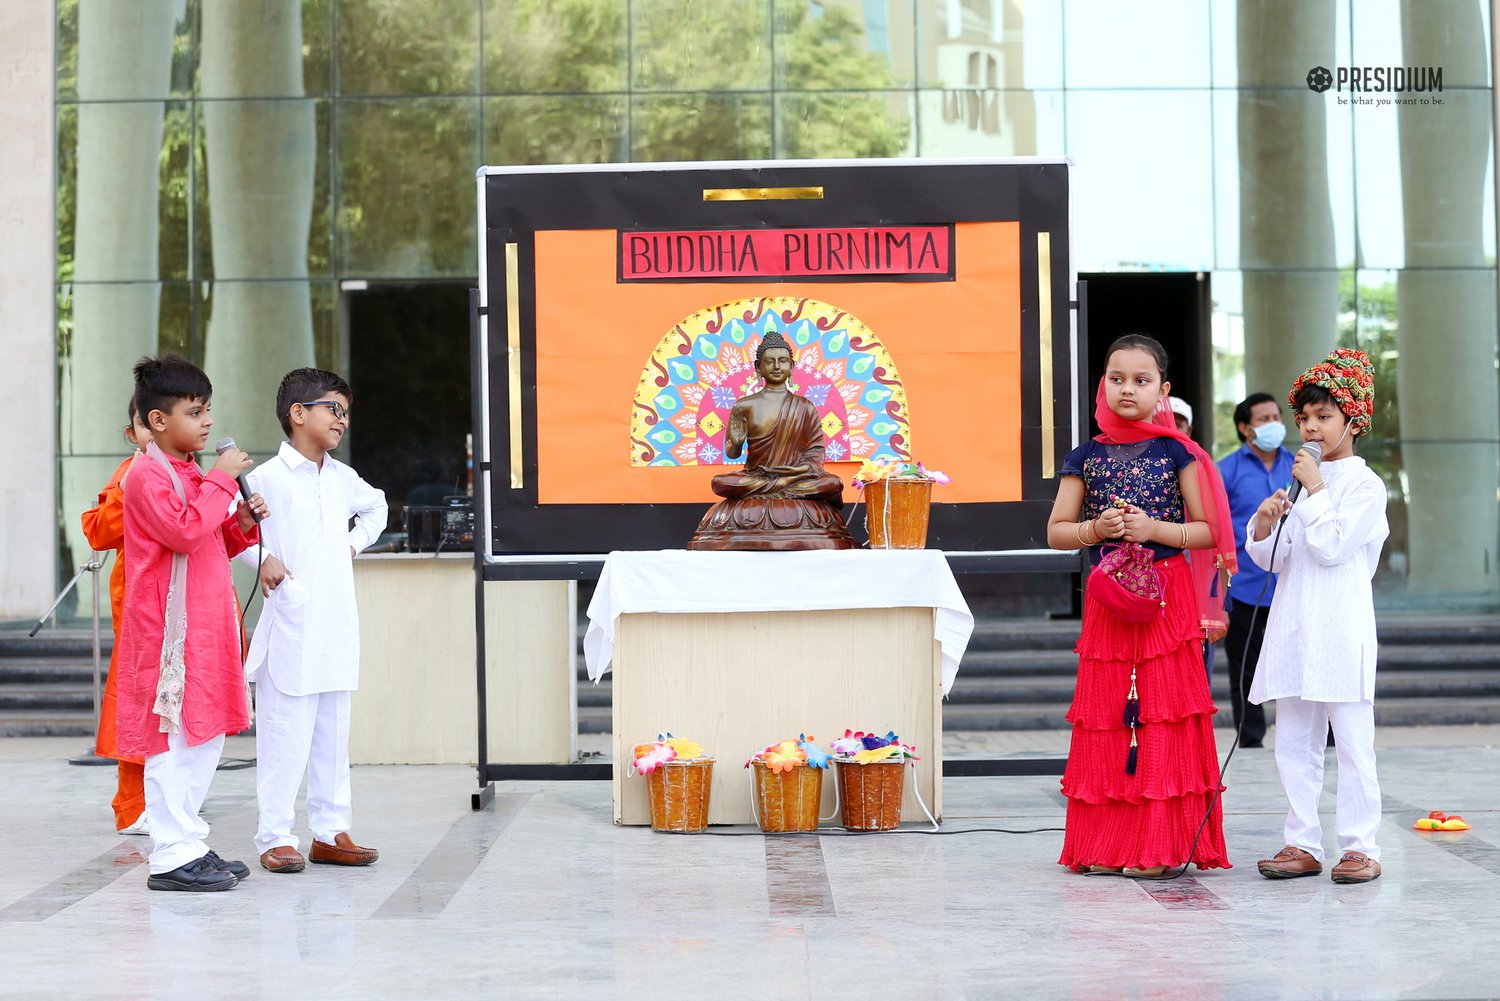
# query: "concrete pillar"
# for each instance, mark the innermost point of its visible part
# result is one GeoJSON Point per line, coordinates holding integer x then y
{"type": "Point", "coordinates": [1291, 282]}
{"type": "Point", "coordinates": [28, 379]}
{"type": "Point", "coordinates": [1446, 377]}
{"type": "Point", "coordinates": [261, 160]}
{"type": "Point", "coordinates": [124, 52]}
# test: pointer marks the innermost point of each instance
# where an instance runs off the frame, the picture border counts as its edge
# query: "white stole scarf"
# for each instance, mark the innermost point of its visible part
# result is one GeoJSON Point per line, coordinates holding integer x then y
{"type": "Point", "coordinates": [172, 671]}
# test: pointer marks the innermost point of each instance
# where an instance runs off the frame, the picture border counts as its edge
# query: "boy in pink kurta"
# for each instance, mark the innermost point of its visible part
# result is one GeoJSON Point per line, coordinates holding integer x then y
{"type": "Point", "coordinates": [175, 514]}
{"type": "Point", "coordinates": [157, 524]}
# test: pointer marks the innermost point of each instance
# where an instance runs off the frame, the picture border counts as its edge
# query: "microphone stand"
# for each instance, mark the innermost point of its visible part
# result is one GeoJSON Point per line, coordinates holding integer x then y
{"type": "Point", "coordinates": [93, 566]}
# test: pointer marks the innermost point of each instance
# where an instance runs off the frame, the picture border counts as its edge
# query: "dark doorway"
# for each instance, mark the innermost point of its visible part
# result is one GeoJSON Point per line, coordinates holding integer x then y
{"type": "Point", "coordinates": [408, 349]}
{"type": "Point", "coordinates": [1173, 307]}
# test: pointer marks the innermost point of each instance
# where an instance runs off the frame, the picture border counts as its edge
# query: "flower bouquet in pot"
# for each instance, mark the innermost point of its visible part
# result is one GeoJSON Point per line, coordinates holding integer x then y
{"type": "Point", "coordinates": [898, 498]}
{"type": "Point", "coordinates": [871, 778]}
{"type": "Point", "coordinates": [679, 776]}
{"type": "Point", "coordinates": [788, 785]}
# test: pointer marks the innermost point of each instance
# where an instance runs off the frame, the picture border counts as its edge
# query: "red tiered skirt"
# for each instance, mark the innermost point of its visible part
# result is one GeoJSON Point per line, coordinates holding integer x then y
{"type": "Point", "coordinates": [1149, 818]}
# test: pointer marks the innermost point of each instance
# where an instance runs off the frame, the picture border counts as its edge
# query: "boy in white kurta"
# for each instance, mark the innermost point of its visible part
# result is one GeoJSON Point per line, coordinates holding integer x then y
{"type": "Point", "coordinates": [1318, 658]}
{"type": "Point", "coordinates": [304, 657]}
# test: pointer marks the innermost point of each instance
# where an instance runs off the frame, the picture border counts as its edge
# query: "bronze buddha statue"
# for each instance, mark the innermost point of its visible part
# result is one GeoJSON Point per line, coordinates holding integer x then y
{"type": "Point", "coordinates": [783, 498]}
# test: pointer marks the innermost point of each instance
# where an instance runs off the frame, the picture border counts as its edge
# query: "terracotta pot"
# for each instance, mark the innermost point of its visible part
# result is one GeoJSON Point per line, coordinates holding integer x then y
{"type": "Point", "coordinates": [679, 795]}
{"type": "Point", "coordinates": [870, 795]}
{"type": "Point", "coordinates": [896, 513]}
{"type": "Point", "coordinates": [787, 802]}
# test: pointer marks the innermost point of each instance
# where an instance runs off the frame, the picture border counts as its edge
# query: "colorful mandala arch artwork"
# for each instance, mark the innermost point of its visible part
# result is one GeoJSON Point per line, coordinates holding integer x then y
{"type": "Point", "coordinates": [707, 361]}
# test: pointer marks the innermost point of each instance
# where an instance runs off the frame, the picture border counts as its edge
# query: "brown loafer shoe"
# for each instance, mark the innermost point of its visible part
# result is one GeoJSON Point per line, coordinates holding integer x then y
{"type": "Point", "coordinates": [1356, 867]}
{"type": "Point", "coordinates": [343, 851]}
{"type": "Point", "coordinates": [1289, 863]}
{"type": "Point", "coordinates": [282, 858]}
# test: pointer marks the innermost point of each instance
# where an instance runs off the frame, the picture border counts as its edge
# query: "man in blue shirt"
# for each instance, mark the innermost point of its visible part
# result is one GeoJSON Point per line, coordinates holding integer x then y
{"type": "Point", "coordinates": [1257, 470]}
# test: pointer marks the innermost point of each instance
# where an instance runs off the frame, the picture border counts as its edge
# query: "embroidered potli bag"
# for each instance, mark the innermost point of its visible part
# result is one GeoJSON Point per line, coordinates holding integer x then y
{"type": "Point", "coordinates": [1126, 581]}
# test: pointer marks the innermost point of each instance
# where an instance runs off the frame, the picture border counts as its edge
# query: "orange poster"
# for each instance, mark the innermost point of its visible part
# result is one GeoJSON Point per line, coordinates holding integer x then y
{"type": "Point", "coordinates": [949, 350]}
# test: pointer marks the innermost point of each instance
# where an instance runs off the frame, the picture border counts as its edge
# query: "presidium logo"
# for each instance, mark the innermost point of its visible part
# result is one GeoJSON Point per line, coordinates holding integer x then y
{"type": "Point", "coordinates": [1402, 82]}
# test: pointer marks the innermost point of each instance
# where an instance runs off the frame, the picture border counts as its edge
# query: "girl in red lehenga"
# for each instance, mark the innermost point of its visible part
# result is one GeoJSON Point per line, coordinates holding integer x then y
{"type": "Point", "coordinates": [1137, 796]}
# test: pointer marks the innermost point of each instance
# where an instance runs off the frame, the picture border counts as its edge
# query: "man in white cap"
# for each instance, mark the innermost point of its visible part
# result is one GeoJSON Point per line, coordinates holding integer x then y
{"type": "Point", "coordinates": [1184, 414]}
{"type": "Point", "coordinates": [1182, 411]}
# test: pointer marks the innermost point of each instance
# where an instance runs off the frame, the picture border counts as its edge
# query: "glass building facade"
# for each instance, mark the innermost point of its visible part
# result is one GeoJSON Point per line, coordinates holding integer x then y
{"type": "Point", "coordinates": [263, 184]}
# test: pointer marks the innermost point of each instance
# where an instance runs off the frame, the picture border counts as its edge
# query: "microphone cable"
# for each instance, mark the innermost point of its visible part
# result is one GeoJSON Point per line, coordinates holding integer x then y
{"type": "Point", "coordinates": [235, 764]}
{"type": "Point", "coordinates": [1239, 729]}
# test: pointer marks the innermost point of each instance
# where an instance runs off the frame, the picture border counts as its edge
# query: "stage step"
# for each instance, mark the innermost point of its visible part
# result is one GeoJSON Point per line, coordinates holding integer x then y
{"type": "Point", "coordinates": [46, 723]}
{"type": "Point", "coordinates": [1017, 675]}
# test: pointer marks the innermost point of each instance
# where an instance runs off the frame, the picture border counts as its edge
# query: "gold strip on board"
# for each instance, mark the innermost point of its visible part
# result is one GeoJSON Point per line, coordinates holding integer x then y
{"type": "Point", "coordinates": [760, 194]}
{"type": "Point", "coordinates": [1044, 350]}
{"type": "Point", "coordinates": [513, 355]}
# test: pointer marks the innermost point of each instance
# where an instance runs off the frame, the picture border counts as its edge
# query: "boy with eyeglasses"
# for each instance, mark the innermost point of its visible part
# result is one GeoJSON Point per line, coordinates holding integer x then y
{"type": "Point", "coordinates": [304, 656]}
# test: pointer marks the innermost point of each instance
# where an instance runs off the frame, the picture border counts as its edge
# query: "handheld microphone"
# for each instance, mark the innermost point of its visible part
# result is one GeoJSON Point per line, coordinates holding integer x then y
{"type": "Point", "coordinates": [225, 444]}
{"type": "Point", "coordinates": [1313, 449]}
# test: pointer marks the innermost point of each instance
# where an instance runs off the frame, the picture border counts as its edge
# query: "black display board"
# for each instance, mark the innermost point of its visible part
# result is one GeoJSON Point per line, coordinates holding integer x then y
{"type": "Point", "coordinates": [521, 208]}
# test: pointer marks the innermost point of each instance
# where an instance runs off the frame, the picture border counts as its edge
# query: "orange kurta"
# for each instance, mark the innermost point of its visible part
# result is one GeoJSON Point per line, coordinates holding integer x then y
{"type": "Point", "coordinates": [104, 528]}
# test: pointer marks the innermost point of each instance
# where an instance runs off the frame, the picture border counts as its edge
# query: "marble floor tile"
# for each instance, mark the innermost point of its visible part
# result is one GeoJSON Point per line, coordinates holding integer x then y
{"type": "Point", "coordinates": [540, 896]}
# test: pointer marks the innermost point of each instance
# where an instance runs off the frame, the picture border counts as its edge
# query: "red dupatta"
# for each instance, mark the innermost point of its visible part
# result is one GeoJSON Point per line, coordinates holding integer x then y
{"type": "Point", "coordinates": [1212, 566]}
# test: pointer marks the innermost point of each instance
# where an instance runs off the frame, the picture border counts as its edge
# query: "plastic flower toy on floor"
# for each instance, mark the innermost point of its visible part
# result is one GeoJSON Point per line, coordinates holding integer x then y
{"type": "Point", "coordinates": [1437, 820]}
{"type": "Point", "coordinates": [648, 757]}
{"type": "Point", "coordinates": [867, 748]}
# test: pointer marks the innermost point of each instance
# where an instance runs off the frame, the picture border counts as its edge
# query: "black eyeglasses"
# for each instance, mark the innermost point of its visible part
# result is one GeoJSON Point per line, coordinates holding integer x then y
{"type": "Point", "coordinates": [340, 412]}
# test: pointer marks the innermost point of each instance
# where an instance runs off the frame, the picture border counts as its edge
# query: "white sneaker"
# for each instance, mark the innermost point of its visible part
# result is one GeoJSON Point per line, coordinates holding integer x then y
{"type": "Point", "coordinates": [139, 827]}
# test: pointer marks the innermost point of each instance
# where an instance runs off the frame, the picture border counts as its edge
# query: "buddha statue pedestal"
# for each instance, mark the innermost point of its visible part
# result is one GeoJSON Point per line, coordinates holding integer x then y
{"type": "Point", "coordinates": [771, 524]}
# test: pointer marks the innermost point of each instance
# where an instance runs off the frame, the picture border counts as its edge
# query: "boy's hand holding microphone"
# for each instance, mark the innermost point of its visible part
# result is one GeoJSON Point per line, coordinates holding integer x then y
{"type": "Point", "coordinates": [233, 461]}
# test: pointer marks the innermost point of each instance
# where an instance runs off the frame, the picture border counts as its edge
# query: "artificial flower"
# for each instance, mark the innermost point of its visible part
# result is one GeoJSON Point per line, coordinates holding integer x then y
{"type": "Point", "coordinates": [866, 748]}
{"type": "Point", "coordinates": [785, 756]}
{"type": "Point", "coordinates": [816, 756]}
{"type": "Point", "coordinates": [650, 757]}
{"type": "Point", "coordinates": [686, 749]}
{"type": "Point", "coordinates": [889, 468]}
{"type": "Point", "coordinates": [647, 758]}
{"type": "Point", "coordinates": [850, 743]}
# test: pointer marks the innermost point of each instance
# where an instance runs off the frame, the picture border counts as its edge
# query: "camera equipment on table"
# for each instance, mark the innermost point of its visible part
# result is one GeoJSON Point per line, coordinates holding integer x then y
{"type": "Point", "coordinates": [435, 528]}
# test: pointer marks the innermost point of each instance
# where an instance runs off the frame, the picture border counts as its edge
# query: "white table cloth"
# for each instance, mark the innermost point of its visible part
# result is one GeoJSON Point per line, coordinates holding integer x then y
{"type": "Point", "coordinates": [676, 580]}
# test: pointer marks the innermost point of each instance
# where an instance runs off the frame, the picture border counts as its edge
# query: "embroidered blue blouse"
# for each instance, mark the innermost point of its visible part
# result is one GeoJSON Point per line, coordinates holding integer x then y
{"type": "Point", "coordinates": [1143, 474]}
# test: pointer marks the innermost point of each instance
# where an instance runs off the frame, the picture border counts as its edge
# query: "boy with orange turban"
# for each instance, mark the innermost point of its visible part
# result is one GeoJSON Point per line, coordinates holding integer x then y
{"type": "Point", "coordinates": [1318, 658]}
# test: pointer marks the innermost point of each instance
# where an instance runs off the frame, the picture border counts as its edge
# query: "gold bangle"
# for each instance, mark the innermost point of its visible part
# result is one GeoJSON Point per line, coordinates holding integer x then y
{"type": "Point", "coordinates": [1184, 535]}
{"type": "Point", "coordinates": [1081, 540]}
{"type": "Point", "coordinates": [1080, 535]}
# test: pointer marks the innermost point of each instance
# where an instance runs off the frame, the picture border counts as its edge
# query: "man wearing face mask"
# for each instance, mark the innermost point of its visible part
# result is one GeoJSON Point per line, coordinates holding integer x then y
{"type": "Point", "coordinates": [1254, 472]}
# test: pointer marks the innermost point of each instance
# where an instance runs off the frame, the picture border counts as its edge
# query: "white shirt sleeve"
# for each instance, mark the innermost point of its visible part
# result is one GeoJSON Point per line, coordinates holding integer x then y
{"type": "Point", "coordinates": [370, 513]}
{"type": "Point", "coordinates": [1334, 533]}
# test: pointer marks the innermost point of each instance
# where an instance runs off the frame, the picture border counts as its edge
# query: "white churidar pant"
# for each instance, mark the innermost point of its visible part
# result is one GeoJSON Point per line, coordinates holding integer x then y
{"type": "Point", "coordinates": [1301, 740]}
{"type": "Point", "coordinates": [298, 735]}
{"type": "Point", "coordinates": [177, 782]}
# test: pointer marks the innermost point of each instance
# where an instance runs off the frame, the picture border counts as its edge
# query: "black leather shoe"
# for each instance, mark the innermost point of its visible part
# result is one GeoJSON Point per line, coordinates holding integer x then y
{"type": "Point", "coordinates": [199, 875]}
{"type": "Point", "coordinates": [240, 869]}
